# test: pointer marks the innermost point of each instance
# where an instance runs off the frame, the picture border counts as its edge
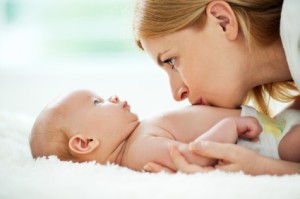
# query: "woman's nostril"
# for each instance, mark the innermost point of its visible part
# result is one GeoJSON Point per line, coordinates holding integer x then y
{"type": "Point", "coordinates": [184, 95]}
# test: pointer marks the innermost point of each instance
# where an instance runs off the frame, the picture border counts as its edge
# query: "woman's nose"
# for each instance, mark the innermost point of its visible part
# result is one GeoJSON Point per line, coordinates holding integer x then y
{"type": "Point", "coordinates": [114, 99]}
{"type": "Point", "coordinates": [181, 93]}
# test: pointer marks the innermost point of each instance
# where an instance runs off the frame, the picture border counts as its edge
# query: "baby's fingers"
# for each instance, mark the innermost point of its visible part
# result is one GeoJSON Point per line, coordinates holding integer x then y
{"type": "Point", "coordinates": [156, 168]}
{"type": "Point", "coordinates": [249, 127]}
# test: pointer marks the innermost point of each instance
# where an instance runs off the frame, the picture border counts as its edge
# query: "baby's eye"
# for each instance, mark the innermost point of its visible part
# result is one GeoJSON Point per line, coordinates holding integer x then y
{"type": "Point", "coordinates": [96, 102]}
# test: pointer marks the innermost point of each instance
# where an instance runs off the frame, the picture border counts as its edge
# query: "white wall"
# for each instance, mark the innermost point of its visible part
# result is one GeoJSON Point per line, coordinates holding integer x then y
{"type": "Point", "coordinates": [136, 79]}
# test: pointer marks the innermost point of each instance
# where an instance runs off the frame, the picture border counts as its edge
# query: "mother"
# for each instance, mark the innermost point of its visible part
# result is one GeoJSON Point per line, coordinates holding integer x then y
{"type": "Point", "coordinates": [224, 53]}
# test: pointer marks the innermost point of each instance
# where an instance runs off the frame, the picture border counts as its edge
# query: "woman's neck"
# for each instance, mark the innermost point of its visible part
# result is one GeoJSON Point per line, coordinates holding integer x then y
{"type": "Point", "coordinates": [268, 64]}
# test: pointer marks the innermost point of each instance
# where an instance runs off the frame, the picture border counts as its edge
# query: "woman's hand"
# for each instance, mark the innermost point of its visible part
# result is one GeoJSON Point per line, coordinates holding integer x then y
{"type": "Point", "coordinates": [231, 158]}
{"type": "Point", "coordinates": [234, 157]}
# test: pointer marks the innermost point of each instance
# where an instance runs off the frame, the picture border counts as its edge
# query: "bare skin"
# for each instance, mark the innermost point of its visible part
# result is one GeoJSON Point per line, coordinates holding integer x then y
{"type": "Point", "coordinates": [105, 130]}
{"type": "Point", "coordinates": [215, 76]}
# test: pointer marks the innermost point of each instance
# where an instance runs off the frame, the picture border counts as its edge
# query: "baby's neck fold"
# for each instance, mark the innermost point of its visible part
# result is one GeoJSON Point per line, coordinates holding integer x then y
{"type": "Point", "coordinates": [119, 157]}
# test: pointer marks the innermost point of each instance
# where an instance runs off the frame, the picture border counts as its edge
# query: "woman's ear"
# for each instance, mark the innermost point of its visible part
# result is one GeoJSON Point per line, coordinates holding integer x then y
{"type": "Point", "coordinates": [223, 15]}
{"type": "Point", "coordinates": [81, 144]}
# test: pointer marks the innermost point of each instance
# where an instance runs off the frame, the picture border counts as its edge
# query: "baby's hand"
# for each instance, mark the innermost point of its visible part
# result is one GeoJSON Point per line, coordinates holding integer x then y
{"type": "Point", "coordinates": [248, 128]}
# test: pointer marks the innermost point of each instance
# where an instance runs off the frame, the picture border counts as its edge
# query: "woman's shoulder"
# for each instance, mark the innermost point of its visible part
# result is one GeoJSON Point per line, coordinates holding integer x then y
{"type": "Point", "coordinates": [290, 8]}
{"type": "Point", "coordinates": [290, 36]}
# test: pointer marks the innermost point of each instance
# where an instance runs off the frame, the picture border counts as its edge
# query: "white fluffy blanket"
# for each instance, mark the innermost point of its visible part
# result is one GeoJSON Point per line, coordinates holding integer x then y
{"type": "Point", "coordinates": [23, 177]}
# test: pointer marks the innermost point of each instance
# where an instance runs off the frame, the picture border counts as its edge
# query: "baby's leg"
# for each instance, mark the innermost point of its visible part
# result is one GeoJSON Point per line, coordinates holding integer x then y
{"type": "Point", "coordinates": [289, 146]}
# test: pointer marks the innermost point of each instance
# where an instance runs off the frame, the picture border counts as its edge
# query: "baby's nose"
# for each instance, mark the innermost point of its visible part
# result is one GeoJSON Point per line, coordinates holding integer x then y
{"type": "Point", "coordinates": [114, 99]}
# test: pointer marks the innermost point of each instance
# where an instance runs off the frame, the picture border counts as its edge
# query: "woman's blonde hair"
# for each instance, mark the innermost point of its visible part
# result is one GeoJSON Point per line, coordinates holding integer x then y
{"type": "Point", "coordinates": [259, 22]}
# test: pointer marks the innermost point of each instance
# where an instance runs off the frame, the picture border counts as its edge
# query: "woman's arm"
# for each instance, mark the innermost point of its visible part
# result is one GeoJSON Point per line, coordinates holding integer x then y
{"type": "Point", "coordinates": [235, 158]}
{"type": "Point", "coordinates": [295, 104]}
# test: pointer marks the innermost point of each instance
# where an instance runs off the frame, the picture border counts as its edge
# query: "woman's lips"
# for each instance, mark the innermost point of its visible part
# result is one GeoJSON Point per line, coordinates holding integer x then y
{"type": "Point", "coordinates": [198, 102]}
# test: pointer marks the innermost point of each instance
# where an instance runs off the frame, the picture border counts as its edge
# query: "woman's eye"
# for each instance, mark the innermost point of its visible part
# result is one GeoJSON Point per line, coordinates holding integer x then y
{"type": "Point", "coordinates": [170, 62]}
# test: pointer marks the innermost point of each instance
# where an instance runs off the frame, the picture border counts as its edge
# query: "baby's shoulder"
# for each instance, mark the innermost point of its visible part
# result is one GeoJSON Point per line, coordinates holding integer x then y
{"type": "Point", "coordinates": [152, 127]}
{"type": "Point", "coordinates": [144, 145]}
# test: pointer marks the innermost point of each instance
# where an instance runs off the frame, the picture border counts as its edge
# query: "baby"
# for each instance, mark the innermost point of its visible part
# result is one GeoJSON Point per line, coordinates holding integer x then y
{"type": "Point", "coordinates": [81, 126]}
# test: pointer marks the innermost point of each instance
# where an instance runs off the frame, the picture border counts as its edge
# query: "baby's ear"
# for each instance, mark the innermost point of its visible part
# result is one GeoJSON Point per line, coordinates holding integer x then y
{"type": "Point", "coordinates": [81, 144]}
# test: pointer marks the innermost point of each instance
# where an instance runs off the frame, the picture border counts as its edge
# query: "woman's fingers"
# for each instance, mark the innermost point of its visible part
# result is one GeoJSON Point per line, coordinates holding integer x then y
{"type": "Point", "coordinates": [232, 157]}
{"type": "Point", "coordinates": [221, 151]}
{"type": "Point", "coordinates": [182, 164]}
{"type": "Point", "coordinates": [155, 168]}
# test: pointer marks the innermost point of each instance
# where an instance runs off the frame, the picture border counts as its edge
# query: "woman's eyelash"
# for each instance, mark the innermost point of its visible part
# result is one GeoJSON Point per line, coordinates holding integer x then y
{"type": "Point", "coordinates": [170, 61]}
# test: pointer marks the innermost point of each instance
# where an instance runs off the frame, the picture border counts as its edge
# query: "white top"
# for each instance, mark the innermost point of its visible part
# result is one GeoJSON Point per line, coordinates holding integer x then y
{"type": "Point", "coordinates": [268, 142]}
{"type": "Point", "coordinates": [290, 36]}
{"type": "Point", "coordinates": [273, 130]}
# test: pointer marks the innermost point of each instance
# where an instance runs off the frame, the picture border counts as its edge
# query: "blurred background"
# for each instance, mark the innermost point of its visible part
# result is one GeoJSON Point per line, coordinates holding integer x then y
{"type": "Point", "coordinates": [48, 47]}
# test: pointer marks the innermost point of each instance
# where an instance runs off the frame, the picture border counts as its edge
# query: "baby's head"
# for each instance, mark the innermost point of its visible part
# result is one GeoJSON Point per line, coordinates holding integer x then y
{"type": "Point", "coordinates": [81, 126]}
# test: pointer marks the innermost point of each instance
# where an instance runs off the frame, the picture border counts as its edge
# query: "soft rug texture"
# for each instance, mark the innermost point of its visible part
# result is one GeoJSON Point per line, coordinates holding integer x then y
{"type": "Point", "coordinates": [23, 177]}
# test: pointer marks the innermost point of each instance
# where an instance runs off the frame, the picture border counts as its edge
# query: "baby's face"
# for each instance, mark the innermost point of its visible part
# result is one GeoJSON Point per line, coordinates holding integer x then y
{"type": "Point", "coordinates": [109, 120]}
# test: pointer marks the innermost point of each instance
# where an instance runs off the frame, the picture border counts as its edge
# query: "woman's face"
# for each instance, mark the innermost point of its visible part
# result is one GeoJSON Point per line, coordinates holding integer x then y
{"type": "Point", "coordinates": [202, 65]}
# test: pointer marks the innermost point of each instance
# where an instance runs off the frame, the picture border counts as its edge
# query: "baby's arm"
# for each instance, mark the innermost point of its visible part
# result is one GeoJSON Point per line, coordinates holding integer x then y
{"type": "Point", "coordinates": [226, 131]}
{"type": "Point", "coordinates": [229, 129]}
{"type": "Point", "coordinates": [150, 148]}
{"type": "Point", "coordinates": [153, 148]}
